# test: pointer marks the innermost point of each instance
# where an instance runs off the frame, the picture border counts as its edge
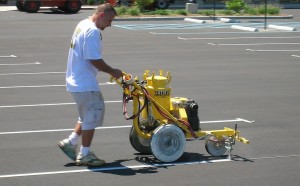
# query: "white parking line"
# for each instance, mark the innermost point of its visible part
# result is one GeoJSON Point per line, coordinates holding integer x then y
{"type": "Point", "coordinates": [252, 44]}
{"type": "Point", "coordinates": [8, 56]}
{"type": "Point", "coordinates": [15, 64]}
{"type": "Point", "coordinates": [31, 73]}
{"type": "Point", "coordinates": [47, 104]}
{"type": "Point", "coordinates": [117, 127]}
{"type": "Point", "coordinates": [211, 33]}
{"type": "Point", "coordinates": [113, 168]}
{"type": "Point", "coordinates": [252, 50]}
{"type": "Point", "coordinates": [206, 38]}
{"type": "Point", "coordinates": [295, 56]}
{"type": "Point", "coordinates": [139, 166]}
{"type": "Point", "coordinates": [45, 86]}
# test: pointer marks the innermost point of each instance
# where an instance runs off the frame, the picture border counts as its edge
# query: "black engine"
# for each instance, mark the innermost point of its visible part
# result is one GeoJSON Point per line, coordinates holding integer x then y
{"type": "Point", "coordinates": [191, 109]}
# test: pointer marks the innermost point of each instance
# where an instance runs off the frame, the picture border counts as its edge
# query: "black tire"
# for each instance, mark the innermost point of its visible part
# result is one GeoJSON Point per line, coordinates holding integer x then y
{"type": "Point", "coordinates": [162, 4]}
{"type": "Point", "coordinates": [72, 6]}
{"type": "Point", "coordinates": [136, 144]}
{"type": "Point", "coordinates": [19, 5]}
{"type": "Point", "coordinates": [31, 6]}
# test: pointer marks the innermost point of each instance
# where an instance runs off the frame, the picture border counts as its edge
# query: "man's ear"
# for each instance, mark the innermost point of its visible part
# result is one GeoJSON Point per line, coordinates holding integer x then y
{"type": "Point", "coordinates": [101, 14]}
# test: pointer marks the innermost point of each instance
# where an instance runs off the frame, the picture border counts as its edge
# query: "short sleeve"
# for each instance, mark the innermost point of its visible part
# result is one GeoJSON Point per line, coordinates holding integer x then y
{"type": "Point", "coordinates": [92, 45]}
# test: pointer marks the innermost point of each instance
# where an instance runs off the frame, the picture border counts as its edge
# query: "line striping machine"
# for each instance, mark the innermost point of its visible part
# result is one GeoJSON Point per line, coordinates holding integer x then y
{"type": "Point", "coordinates": [162, 124]}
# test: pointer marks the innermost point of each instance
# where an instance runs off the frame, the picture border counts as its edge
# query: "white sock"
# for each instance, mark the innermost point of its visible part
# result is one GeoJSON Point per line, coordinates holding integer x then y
{"type": "Point", "coordinates": [84, 150]}
{"type": "Point", "coordinates": [74, 138]}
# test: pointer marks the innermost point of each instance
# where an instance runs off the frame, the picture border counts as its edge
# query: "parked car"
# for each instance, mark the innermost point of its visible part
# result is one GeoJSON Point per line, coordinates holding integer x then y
{"type": "Point", "coordinates": [32, 6]}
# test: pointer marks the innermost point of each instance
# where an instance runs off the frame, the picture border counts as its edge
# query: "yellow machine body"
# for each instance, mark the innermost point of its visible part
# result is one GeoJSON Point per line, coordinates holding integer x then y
{"type": "Point", "coordinates": [158, 88]}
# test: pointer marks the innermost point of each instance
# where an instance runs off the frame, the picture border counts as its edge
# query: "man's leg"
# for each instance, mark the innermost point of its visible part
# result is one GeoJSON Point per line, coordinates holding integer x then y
{"type": "Point", "coordinates": [69, 145]}
{"type": "Point", "coordinates": [87, 137]}
{"type": "Point", "coordinates": [77, 128]}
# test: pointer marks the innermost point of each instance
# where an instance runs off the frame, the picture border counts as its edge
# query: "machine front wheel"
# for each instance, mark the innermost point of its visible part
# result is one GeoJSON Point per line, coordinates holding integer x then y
{"type": "Point", "coordinates": [215, 147]}
{"type": "Point", "coordinates": [139, 144]}
{"type": "Point", "coordinates": [167, 143]}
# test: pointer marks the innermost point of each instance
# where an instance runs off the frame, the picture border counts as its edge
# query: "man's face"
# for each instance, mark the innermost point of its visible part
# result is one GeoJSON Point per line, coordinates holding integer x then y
{"type": "Point", "coordinates": [104, 20]}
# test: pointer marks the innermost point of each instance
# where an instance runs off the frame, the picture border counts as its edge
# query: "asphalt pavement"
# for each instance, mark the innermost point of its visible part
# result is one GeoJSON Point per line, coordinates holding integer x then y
{"type": "Point", "coordinates": [235, 76]}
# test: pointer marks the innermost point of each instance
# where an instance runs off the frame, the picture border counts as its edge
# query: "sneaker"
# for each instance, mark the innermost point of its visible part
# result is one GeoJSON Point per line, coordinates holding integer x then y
{"type": "Point", "coordinates": [69, 149]}
{"type": "Point", "coordinates": [90, 160]}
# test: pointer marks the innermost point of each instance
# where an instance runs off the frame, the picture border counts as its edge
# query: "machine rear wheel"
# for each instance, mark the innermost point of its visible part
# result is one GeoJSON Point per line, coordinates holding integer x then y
{"type": "Point", "coordinates": [167, 143]}
{"type": "Point", "coordinates": [139, 144]}
{"type": "Point", "coordinates": [215, 147]}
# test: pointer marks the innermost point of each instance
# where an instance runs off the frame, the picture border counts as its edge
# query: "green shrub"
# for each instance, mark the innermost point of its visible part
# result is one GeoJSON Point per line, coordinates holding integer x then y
{"type": "Point", "coordinates": [261, 9]}
{"type": "Point", "coordinates": [273, 11]}
{"type": "Point", "coordinates": [90, 2]}
{"type": "Point", "coordinates": [134, 11]}
{"type": "Point", "coordinates": [181, 12]}
{"type": "Point", "coordinates": [236, 5]}
{"type": "Point", "coordinates": [251, 10]}
{"type": "Point", "coordinates": [122, 10]}
{"type": "Point", "coordinates": [206, 12]}
{"type": "Point", "coordinates": [161, 12]}
{"type": "Point", "coordinates": [144, 4]}
{"type": "Point", "coordinates": [226, 12]}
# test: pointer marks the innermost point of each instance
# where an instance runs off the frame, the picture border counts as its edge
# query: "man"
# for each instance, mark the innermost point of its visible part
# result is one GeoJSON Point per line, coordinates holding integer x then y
{"type": "Point", "coordinates": [84, 60]}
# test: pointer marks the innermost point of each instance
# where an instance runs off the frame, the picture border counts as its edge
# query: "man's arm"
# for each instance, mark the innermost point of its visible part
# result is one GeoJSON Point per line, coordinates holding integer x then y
{"type": "Point", "coordinates": [102, 66]}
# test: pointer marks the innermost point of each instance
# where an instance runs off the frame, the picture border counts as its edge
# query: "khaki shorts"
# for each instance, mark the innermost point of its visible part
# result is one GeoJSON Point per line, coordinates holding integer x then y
{"type": "Point", "coordinates": [91, 109]}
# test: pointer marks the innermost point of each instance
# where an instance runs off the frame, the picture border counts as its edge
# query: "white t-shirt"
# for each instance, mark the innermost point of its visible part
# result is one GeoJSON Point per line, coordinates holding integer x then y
{"type": "Point", "coordinates": [85, 45]}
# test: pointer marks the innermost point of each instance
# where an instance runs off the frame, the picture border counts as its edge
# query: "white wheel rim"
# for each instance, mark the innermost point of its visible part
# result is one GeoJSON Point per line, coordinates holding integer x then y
{"type": "Point", "coordinates": [168, 143]}
{"type": "Point", "coordinates": [215, 148]}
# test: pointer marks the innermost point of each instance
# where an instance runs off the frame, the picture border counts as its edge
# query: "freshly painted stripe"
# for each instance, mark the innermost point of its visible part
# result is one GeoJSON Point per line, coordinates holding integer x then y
{"type": "Point", "coordinates": [117, 127]}
{"type": "Point", "coordinates": [139, 166]}
{"type": "Point", "coordinates": [112, 168]}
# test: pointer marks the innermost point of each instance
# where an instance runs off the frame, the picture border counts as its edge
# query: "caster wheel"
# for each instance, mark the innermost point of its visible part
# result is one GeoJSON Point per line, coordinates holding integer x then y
{"type": "Point", "coordinates": [215, 147]}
